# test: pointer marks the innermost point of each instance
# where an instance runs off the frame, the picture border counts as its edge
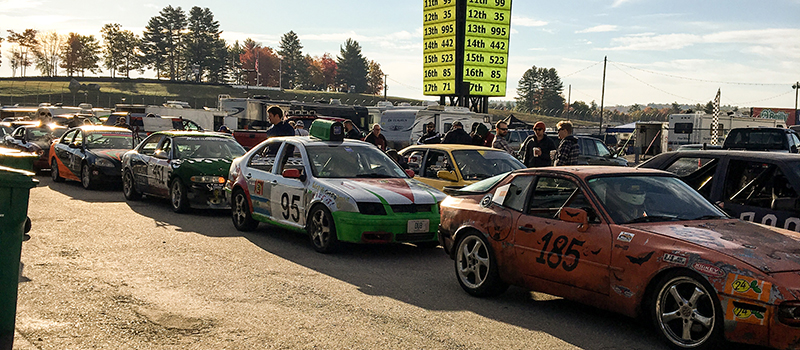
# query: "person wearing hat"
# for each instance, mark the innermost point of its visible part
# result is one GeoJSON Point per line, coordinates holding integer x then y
{"type": "Point", "coordinates": [430, 136]}
{"type": "Point", "coordinates": [536, 149]}
{"type": "Point", "coordinates": [224, 129]}
{"type": "Point", "coordinates": [299, 128]}
{"type": "Point", "coordinates": [457, 135]}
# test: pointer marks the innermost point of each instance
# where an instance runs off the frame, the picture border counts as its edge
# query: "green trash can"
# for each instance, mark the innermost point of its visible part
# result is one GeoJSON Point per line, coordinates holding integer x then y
{"type": "Point", "coordinates": [14, 158]}
{"type": "Point", "coordinates": [15, 186]}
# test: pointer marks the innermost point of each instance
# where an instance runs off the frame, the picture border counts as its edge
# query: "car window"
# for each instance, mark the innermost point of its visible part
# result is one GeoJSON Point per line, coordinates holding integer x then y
{"type": "Point", "coordinates": [68, 136]}
{"type": "Point", "coordinates": [761, 185]}
{"type": "Point", "coordinates": [166, 146]}
{"type": "Point", "coordinates": [78, 140]}
{"type": "Point", "coordinates": [206, 147]}
{"type": "Point", "coordinates": [602, 150]}
{"type": "Point", "coordinates": [483, 164]}
{"type": "Point", "coordinates": [687, 165]}
{"type": "Point", "coordinates": [434, 162]}
{"type": "Point", "coordinates": [517, 192]}
{"type": "Point", "coordinates": [549, 195]}
{"type": "Point", "coordinates": [291, 158]}
{"type": "Point", "coordinates": [588, 147]}
{"type": "Point", "coordinates": [109, 140]}
{"type": "Point", "coordinates": [352, 161]}
{"type": "Point", "coordinates": [263, 159]}
{"type": "Point", "coordinates": [415, 160]}
{"type": "Point", "coordinates": [150, 145]}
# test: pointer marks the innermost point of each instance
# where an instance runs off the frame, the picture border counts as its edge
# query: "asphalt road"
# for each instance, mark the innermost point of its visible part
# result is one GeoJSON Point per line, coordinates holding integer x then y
{"type": "Point", "coordinates": [100, 272]}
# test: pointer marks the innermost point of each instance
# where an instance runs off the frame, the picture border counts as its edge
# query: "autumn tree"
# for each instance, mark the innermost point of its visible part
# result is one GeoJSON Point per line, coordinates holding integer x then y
{"type": "Point", "coordinates": [352, 67]}
{"type": "Point", "coordinates": [374, 79]}
{"type": "Point", "coordinates": [260, 64]}
{"type": "Point", "coordinates": [329, 69]}
{"type": "Point", "coordinates": [203, 47]}
{"type": "Point", "coordinates": [28, 45]}
{"type": "Point", "coordinates": [294, 71]}
{"type": "Point", "coordinates": [47, 56]}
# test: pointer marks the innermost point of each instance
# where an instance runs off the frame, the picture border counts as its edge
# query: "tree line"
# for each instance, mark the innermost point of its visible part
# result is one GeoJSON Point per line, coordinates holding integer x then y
{"type": "Point", "coordinates": [182, 47]}
{"type": "Point", "coordinates": [540, 91]}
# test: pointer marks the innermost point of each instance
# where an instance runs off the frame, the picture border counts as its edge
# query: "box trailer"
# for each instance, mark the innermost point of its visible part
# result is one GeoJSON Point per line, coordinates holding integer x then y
{"type": "Point", "coordinates": [696, 128]}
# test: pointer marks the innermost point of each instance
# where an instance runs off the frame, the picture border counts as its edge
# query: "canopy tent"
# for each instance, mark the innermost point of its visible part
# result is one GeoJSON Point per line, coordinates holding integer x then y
{"type": "Point", "coordinates": [516, 123]}
{"type": "Point", "coordinates": [630, 127]}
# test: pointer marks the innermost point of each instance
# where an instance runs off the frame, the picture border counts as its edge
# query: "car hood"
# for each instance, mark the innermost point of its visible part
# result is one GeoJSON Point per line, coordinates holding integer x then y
{"type": "Point", "coordinates": [113, 154]}
{"type": "Point", "coordinates": [203, 166]}
{"type": "Point", "coordinates": [393, 191]}
{"type": "Point", "coordinates": [766, 248]}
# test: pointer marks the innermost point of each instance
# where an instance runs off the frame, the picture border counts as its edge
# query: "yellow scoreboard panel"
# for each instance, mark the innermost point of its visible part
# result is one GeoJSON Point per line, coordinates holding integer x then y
{"type": "Point", "coordinates": [439, 47]}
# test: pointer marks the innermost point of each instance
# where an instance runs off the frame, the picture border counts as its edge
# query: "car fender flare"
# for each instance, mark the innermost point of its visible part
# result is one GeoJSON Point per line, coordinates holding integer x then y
{"type": "Point", "coordinates": [463, 230]}
{"type": "Point", "coordinates": [244, 189]}
{"type": "Point", "coordinates": [643, 299]}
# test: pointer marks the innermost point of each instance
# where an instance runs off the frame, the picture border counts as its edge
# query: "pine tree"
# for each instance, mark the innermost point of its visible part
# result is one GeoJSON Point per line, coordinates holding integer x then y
{"type": "Point", "coordinates": [204, 49]}
{"type": "Point", "coordinates": [294, 71]}
{"type": "Point", "coordinates": [163, 42]}
{"type": "Point", "coordinates": [352, 67]}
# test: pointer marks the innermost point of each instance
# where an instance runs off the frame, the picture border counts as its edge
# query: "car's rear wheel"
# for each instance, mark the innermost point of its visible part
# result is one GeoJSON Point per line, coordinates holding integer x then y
{"type": "Point", "coordinates": [86, 177]}
{"type": "Point", "coordinates": [686, 311]}
{"type": "Point", "coordinates": [476, 267]}
{"type": "Point", "coordinates": [322, 230]}
{"type": "Point", "coordinates": [129, 187]}
{"type": "Point", "coordinates": [54, 171]}
{"type": "Point", "coordinates": [240, 212]}
{"type": "Point", "coordinates": [178, 198]}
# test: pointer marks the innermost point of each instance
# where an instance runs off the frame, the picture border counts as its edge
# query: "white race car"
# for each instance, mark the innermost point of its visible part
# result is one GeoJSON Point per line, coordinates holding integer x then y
{"type": "Point", "coordinates": [333, 189]}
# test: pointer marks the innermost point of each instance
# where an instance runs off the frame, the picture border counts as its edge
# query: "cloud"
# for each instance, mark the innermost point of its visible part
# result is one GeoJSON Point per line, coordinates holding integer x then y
{"type": "Point", "coordinates": [526, 22]}
{"type": "Point", "coordinates": [10, 5]}
{"type": "Point", "coordinates": [599, 29]}
{"type": "Point", "coordinates": [774, 38]}
{"type": "Point", "coordinates": [618, 3]}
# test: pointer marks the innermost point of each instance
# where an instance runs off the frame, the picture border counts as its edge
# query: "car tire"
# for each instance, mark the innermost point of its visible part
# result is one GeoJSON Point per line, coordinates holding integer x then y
{"type": "Point", "coordinates": [322, 230]}
{"type": "Point", "coordinates": [54, 171]}
{"type": "Point", "coordinates": [476, 267]}
{"type": "Point", "coordinates": [86, 177]}
{"type": "Point", "coordinates": [177, 197]}
{"type": "Point", "coordinates": [240, 212]}
{"type": "Point", "coordinates": [129, 187]}
{"type": "Point", "coordinates": [685, 305]}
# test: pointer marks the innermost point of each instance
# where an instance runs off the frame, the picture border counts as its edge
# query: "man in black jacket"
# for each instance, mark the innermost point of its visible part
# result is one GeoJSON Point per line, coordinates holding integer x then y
{"type": "Point", "coordinates": [536, 149]}
{"type": "Point", "coordinates": [457, 135]}
{"type": "Point", "coordinates": [430, 136]}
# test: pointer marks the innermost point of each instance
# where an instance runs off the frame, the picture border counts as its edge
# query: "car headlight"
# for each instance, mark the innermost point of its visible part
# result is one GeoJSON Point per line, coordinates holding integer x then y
{"type": "Point", "coordinates": [105, 163]}
{"type": "Point", "coordinates": [206, 179]}
{"type": "Point", "coordinates": [789, 313]}
{"type": "Point", "coordinates": [369, 208]}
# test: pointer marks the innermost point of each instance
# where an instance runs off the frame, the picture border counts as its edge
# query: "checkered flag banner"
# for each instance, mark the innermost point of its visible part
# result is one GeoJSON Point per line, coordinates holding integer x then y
{"type": "Point", "coordinates": [715, 121]}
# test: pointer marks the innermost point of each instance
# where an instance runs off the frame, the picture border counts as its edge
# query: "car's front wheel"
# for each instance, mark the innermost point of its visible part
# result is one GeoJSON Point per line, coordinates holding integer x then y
{"type": "Point", "coordinates": [178, 198]}
{"type": "Point", "coordinates": [322, 230]}
{"type": "Point", "coordinates": [686, 312]}
{"type": "Point", "coordinates": [54, 171]}
{"type": "Point", "coordinates": [86, 177]}
{"type": "Point", "coordinates": [476, 267]}
{"type": "Point", "coordinates": [129, 187]}
{"type": "Point", "coordinates": [240, 212]}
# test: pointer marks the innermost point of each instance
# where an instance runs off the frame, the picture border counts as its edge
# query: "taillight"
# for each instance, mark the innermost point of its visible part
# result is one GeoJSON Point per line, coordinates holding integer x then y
{"type": "Point", "coordinates": [789, 313]}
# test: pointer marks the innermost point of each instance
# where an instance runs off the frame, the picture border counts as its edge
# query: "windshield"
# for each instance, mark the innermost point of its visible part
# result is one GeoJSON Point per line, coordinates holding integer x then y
{"type": "Point", "coordinates": [630, 199]}
{"type": "Point", "coordinates": [352, 162]}
{"type": "Point", "coordinates": [207, 147]}
{"type": "Point", "coordinates": [482, 164]}
{"type": "Point", "coordinates": [483, 185]}
{"type": "Point", "coordinates": [109, 140]}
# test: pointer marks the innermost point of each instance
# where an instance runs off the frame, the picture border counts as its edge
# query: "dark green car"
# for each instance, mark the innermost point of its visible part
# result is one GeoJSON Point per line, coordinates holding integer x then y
{"type": "Point", "coordinates": [188, 167]}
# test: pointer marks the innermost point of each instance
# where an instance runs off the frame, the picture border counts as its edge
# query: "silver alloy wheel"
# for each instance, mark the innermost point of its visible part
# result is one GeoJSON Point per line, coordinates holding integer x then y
{"type": "Point", "coordinates": [176, 194]}
{"type": "Point", "coordinates": [86, 176]}
{"type": "Point", "coordinates": [685, 312]}
{"type": "Point", "coordinates": [239, 207]}
{"type": "Point", "coordinates": [128, 187]}
{"type": "Point", "coordinates": [321, 232]}
{"type": "Point", "coordinates": [54, 171]}
{"type": "Point", "coordinates": [472, 262]}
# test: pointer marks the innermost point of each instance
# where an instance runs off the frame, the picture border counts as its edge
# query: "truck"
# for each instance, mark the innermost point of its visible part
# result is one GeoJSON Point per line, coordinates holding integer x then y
{"type": "Point", "coordinates": [696, 128]}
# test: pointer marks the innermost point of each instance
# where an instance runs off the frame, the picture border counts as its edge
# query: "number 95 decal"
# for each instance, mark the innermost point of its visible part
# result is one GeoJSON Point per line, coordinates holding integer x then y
{"type": "Point", "coordinates": [290, 208]}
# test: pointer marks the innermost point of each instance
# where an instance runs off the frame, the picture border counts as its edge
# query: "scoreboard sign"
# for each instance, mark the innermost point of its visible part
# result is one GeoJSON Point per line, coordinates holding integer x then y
{"type": "Point", "coordinates": [465, 41]}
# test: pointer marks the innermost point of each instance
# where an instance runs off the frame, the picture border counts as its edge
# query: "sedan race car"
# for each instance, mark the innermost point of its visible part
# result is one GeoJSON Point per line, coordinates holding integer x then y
{"type": "Point", "coordinates": [90, 154]}
{"type": "Point", "coordinates": [633, 241]}
{"type": "Point", "coordinates": [454, 166]}
{"type": "Point", "coordinates": [36, 139]}
{"type": "Point", "coordinates": [333, 189]}
{"type": "Point", "coordinates": [188, 167]}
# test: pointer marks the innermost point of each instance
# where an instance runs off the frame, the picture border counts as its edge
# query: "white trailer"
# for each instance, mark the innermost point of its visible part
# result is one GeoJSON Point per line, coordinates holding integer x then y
{"type": "Point", "coordinates": [696, 128]}
{"type": "Point", "coordinates": [202, 117]}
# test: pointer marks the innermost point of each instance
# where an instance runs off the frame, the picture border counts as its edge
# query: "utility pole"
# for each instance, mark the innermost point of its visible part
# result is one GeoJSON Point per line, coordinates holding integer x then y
{"type": "Point", "coordinates": [603, 93]}
{"type": "Point", "coordinates": [796, 87]}
{"type": "Point", "coordinates": [569, 96]}
{"type": "Point", "coordinates": [385, 87]}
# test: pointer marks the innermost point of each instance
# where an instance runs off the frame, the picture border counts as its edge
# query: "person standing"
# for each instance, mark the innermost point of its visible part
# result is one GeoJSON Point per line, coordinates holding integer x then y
{"type": "Point", "coordinates": [376, 138]}
{"type": "Point", "coordinates": [350, 130]}
{"type": "Point", "coordinates": [457, 135]}
{"type": "Point", "coordinates": [536, 148]}
{"type": "Point", "coordinates": [568, 149]}
{"type": "Point", "coordinates": [430, 136]}
{"type": "Point", "coordinates": [122, 123]}
{"type": "Point", "coordinates": [500, 141]}
{"type": "Point", "coordinates": [279, 126]}
{"type": "Point", "coordinates": [299, 129]}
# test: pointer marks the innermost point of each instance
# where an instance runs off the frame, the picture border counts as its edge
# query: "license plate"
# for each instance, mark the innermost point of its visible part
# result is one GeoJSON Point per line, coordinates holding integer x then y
{"type": "Point", "coordinates": [418, 226]}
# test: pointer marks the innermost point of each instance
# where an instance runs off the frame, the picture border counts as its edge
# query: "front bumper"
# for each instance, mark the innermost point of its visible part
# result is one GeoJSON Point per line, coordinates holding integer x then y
{"type": "Point", "coordinates": [381, 229]}
{"type": "Point", "coordinates": [211, 196]}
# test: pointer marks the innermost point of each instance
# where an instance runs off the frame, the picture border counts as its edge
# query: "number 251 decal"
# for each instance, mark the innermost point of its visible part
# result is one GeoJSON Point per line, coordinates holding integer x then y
{"type": "Point", "coordinates": [557, 253]}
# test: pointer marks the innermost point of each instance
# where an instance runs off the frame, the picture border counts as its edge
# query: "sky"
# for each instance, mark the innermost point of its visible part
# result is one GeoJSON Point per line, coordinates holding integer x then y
{"type": "Point", "coordinates": [658, 51]}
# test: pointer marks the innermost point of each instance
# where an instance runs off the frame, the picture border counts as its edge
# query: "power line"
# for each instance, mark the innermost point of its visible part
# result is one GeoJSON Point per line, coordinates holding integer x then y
{"type": "Point", "coordinates": [650, 85]}
{"type": "Point", "coordinates": [696, 79]}
{"type": "Point", "coordinates": [761, 100]}
{"type": "Point", "coordinates": [408, 86]}
{"type": "Point", "coordinates": [573, 73]}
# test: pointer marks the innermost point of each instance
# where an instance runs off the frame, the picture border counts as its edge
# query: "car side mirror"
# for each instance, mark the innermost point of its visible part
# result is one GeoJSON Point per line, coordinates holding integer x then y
{"type": "Point", "coordinates": [291, 173]}
{"type": "Point", "coordinates": [410, 173]}
{"type": "Point", "coordinates": [447, 175]}
{"type": "Point", "coordinates": [578, 216]}
{"type": "Point", "coordinates": [161, 154]}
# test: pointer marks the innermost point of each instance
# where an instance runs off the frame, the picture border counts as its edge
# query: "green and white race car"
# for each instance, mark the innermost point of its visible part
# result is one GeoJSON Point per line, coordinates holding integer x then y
{"type": "Point", "coordinates": [336, 190]}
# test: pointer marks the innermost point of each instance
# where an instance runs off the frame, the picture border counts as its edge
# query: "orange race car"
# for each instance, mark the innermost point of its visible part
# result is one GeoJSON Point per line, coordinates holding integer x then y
{"type": "Point", "coordinates": [634, 241]}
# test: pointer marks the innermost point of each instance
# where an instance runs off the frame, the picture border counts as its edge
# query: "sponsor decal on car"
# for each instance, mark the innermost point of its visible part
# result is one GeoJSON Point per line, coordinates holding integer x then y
{"type": "Point", "coordinates": [678, 260]}
{"type": "Point", "coordinates": [500, 194]}
{"type": "Point", "coordinates": [707, 269]}
{"type": "Point", "coordinates": [748, 287]}
{"type": "Point", "coordinates": [744, 312]}
{"type": "Point", "coordinates": [626, 237]}
{"type": "Point", "coordinates": [622, 291]}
